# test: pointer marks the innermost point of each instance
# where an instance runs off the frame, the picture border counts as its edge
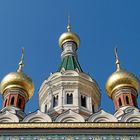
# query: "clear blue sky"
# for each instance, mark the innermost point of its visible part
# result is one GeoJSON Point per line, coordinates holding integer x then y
{"type": "Point", "coordinates": [101, 25]}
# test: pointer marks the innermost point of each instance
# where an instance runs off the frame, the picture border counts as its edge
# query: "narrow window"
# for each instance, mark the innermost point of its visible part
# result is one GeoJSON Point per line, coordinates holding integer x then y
{"type": "Point", "coordinates": [45, 108]}
{"type": "Point", "coordinates": [19, 103]}
{"type": "Point", "coordinates": [83, 101]}
{"type": "Point", "coordinates": [92, 108]}
{"type": "Point", "coordinates": [55, 101]}
{"type": "Point", "coordinates": [70, 98]}
{"type": "Point", "coordinates": [120, 102]}
{"type": "Point", "coordinates": [5, 103]}
{"type": "Point", "coordinates": [12, 101]}
{"type": "Point", "coordinates": [127, 100]}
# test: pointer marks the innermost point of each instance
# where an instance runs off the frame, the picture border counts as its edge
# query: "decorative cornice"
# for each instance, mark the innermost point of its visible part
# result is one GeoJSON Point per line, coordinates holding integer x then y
{"type": "Point", "coordinates": [69, 125]}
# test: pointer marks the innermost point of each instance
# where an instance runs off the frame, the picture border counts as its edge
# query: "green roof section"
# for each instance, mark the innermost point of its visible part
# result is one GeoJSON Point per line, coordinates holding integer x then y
{"type": "Point", "coordinates": [70, 63]}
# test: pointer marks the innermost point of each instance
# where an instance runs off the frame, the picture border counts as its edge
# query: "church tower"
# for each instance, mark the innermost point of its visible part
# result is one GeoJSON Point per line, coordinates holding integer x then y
{"type": "Point", "coordinates": [122, 87]}
{"type": "Point", "coordinates": [69, 94]}
{"type": "Point", "coordinates": [16, 88]}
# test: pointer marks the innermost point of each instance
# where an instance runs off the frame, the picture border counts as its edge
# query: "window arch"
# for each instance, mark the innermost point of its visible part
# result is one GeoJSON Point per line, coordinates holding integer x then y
{"type": "Point", "coordinates": [120, 102]}
{"type": "Point", "coordinates": [70, 98]}
{"type": "Point", "coordinates": [83, 101]}
{"type": "Point", "coordinates": [127, 100]}
{"type": "Point", "coordinates": [12, 100]}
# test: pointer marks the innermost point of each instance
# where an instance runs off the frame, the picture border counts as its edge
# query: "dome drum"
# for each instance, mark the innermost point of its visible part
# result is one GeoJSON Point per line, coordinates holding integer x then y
{"type": "Point", "coordinates": [119, 89]}
{"type": "Point", "coordinates": [15, 89]}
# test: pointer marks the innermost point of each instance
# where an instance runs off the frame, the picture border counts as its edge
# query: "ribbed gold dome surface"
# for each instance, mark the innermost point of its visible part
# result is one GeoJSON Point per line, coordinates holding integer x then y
{"type": "Point", "coordinates": [121, 78]}
{"type": "Point", "coordinates": [69, 36]}
{"type": "Point", "coordinates": [17, 80]}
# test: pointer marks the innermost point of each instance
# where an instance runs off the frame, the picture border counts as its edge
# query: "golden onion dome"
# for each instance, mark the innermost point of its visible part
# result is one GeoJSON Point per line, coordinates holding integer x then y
{"type": "Point", "coordinates": [121, 78]}
{"type": "Point", "coordinates": [18, 80]}
{"type": "Point", "coordinates": [69, 36]}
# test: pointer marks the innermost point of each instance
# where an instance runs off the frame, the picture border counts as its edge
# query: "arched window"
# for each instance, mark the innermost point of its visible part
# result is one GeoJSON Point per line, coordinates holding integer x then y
{"type": "Point", "coordinates": [12, 100]}
{"type": "Point", "coordinates": [19, 103]}
{"type": "Point", "coordinates": [92, 108]}
{"type": "Point", "coordinates": [127, 100]}
{"type": "Point", "coordinates": [55, 101]}
{"type": "Point", "coordinates": [120, 102]}
{"type": "Point", "coordinates": [70, 98]}
{"type": "Point", "coordinates": [83, 101]}
{"type": "Point", "coordinates": [45, 108]}
{"type": "Point", "coordinates": [5, 103]}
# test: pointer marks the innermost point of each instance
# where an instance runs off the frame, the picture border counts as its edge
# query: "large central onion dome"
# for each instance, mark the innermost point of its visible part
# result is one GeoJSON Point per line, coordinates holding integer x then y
{"type": "Point", "coordinates": [121, 78]}
{"type": "Point", "coordinates": [18, 80]}
{"type": "Point", "coordinates": [69, 36]}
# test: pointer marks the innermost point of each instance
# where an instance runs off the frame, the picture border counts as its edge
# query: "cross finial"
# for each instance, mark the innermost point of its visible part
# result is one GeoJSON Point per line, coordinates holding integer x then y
{"type": "Point", "coordinates": [21, 63]}
{"type": "Point", "coordinates": [117, 59]}
{"type": "Point", "coordinates": [68, 27]}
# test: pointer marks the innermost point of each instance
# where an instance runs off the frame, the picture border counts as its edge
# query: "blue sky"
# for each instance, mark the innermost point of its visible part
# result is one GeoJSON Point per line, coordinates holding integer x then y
{"type": "Point", "coordinates": [101, 25]}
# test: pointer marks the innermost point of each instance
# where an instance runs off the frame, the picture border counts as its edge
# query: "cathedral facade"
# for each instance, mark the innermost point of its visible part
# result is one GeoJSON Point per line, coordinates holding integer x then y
{"type": "Point", "coordinates": [69, 94]}
{"type": "Point", "coordinates": [69, 102]}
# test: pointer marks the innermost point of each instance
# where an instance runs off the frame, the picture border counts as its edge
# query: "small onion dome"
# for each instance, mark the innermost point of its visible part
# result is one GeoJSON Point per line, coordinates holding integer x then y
{"type": "Point", "coordinates": [121, 79]}
{"type": "Point", "coordinates": [18, 80]}
{"type": "Point", "coordinates": [69, 36]}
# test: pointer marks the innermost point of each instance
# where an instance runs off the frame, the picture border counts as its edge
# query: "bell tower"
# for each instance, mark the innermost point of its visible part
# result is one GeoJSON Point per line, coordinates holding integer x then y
{"type": "Point", "coordinates": [69, 88]}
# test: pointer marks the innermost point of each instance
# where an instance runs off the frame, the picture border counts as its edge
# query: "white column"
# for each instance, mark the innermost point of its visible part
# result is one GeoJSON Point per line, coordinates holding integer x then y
{"type": "Point", "coordinates": [60, 99]}
{"type": "Point", "coordinates": [75, 98]}
{"type": "Point", "coordinates": [63, 97]}
{"type": "Point", "coordinates": [90, 104]}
